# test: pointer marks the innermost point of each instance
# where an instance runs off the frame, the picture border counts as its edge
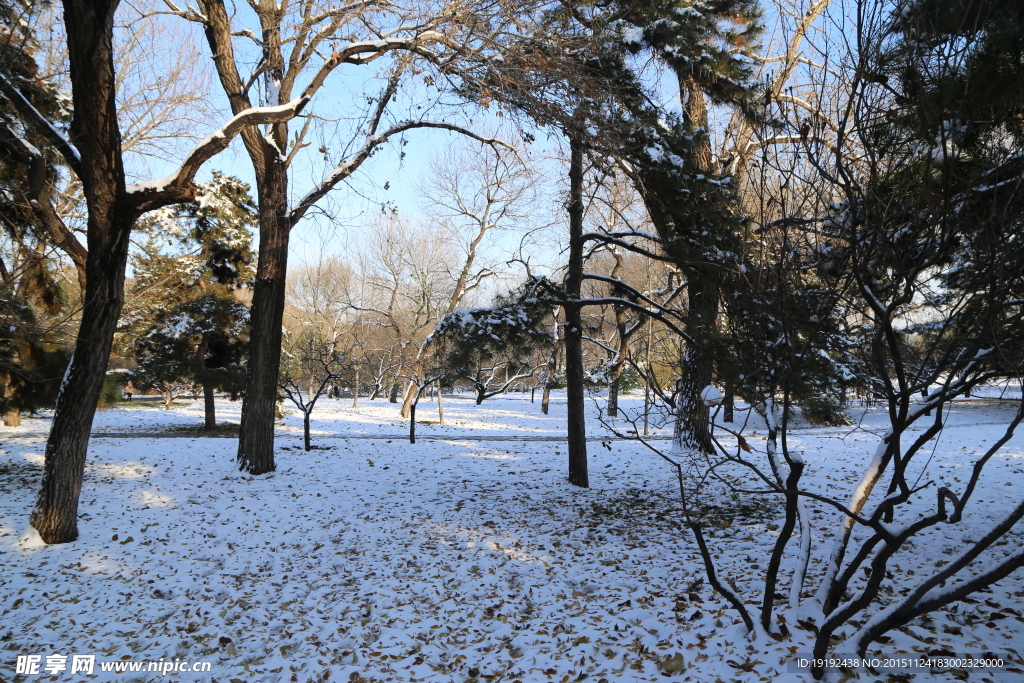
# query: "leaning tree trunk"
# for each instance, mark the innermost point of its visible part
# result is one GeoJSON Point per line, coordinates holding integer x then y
{"type": "Point", "coordinates": [95, 132]}
{"type": "Point", "coordinates": [692, 428]}
{"type": "Point", "coordinates": [256, 432]}
{"type": "Point", "coordinates": [577, 431]}
{"type": "Point", "coordinates": [56, 512]}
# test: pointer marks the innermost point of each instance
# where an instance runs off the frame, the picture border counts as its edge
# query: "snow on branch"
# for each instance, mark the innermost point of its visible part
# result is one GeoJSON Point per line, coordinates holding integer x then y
{"type": "Point", "coordinates": [629, 246]}
{"type": "Point", "coordinates": [45, 127]}
{"type": "Point", "coordinates": [39, 189]}
{"type": "Point", "coordinates": [179, 185]}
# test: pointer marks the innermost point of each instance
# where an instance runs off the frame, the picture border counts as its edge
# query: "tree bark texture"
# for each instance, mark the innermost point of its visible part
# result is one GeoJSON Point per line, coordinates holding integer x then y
{"type": "Point", "coordinates": [412, 423]}
{"type": "Point", "coordinates": [574, 323]}
{"type": "Point", "coordinates": [612, 409]}
{"type": "Point", "coordinates": [95, 133]}
{"type": "Point", "coordinates": [209, 409]}
{"type": "Point", "coordinates": [692, 427]}
{"type": "Point", "coordinates": [256, 432]}
{"type": "Point", "coordinates": [355, 391]}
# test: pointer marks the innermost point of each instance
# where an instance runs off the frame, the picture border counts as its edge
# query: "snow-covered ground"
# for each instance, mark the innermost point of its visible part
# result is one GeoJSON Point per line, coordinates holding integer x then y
{"type": "Point", "coordinates": [457, 558]}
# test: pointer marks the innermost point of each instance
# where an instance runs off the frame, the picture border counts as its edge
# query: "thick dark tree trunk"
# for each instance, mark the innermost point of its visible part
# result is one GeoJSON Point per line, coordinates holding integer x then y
{"type": "Point", "coordinates": [209, 409]}
{"type": "Point", "coordinates": [612, 409]}
{"type": "Point", "coordinates": [56, 512]}
{"type": "Point", "coordinates": [94, 130]}
{"type": "Point", "coordinates": [729, 403]}
{"type": "Point", "coordinates": [412, 423]}
{"type": "Point", "coordinates": [305, 430]}
{"type": "Point", "coordinates": [256, 433]}
{"type": "Point", "coordinates": [577, 431]}
{"type": "Point", "coordinates": [395, 388]}
{"type": "Point", "coordinates": [692, 428]}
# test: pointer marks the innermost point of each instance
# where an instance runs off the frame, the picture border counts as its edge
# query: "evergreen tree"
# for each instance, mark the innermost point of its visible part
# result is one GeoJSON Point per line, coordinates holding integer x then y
{"type": "Point", "coordinates": [34, 303]}
{"type": "Point", "coordinates": [577, 69]}
{"type": "Point", "coordinates": [184, 325]}
{"type": "Point", "coordinates": [499, 343]}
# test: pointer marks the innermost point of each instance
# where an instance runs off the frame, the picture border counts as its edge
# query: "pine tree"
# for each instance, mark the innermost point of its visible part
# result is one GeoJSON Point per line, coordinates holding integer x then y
{"type": "Point", "coordinates": [577, 70]}
{"type": "Point", "coordinates": [185, 327]}
{"type": "Point", "coordinates": [34, 303]}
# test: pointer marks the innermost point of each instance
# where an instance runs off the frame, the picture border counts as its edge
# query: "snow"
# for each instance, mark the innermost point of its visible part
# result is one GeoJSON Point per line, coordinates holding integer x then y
{"type": "Point", "coordinates": [711, 395]}
{"type": "Point", "coordinates": [466, 551]}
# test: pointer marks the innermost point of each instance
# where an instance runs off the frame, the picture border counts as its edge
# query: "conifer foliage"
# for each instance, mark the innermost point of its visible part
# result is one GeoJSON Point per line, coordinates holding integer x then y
{"type": "Point", "coordinates": [187, 329]}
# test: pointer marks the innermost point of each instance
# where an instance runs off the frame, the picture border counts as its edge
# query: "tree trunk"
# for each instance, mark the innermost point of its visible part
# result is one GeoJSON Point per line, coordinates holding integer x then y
{"type": "Point", "coordinates": [209, 409]}
{"type": "Point", "coordinates": [12, 418]}
{"type": "Point", "coordinates": [355, 391]}
{"type": "Point", "coordinates": [612, 409]}
{"type": "Point", "coordinates": [729, 403]}
{"type": "Point", "coordinates": [56, 512]}
{"type": "Point", "coordinates": [395, 388]}
{"type": "Point", "coordinates": [412, 391]}
{"type": "Point", "coordinates": [412, 423]}
{"type": "Point", "coordinates": [647, 401]}
{"type": "Point", "coordinates": [256, 432]}
{"type": "Point", "coordinates": [692, 429]}
{"type": "Point", "coordinates": [533, 390]}
{"type": "Point", "coordinates": [94, 130]}
{"type": "Point", "coordinates": [574, 323]}
{"type": "Point", "coordinates": [305, 430]}
{"type": "Point", "coordinates": [440, 408]}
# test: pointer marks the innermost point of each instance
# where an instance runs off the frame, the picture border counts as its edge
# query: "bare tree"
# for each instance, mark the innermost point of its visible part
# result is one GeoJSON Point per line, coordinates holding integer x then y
{"type": "Point", "coordinates": [92, 150]}
{"type": "Point", "coordinates": [472, 192]}
{"type": "Point", "coordinates": [289, 56]}
{"type": "Point", "coordinates": [312, 366]}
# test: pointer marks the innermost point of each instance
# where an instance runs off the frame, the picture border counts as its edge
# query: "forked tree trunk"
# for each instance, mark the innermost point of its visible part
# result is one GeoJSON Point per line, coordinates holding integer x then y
{"type": "Point", "coordinates": [256, 432]}
{"type": "Point", "coordinates": [209, 409]}
{"type": "Point", "coordinates": [577, 433]}
{"type": "Point", "coordinates": [94, 130]}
